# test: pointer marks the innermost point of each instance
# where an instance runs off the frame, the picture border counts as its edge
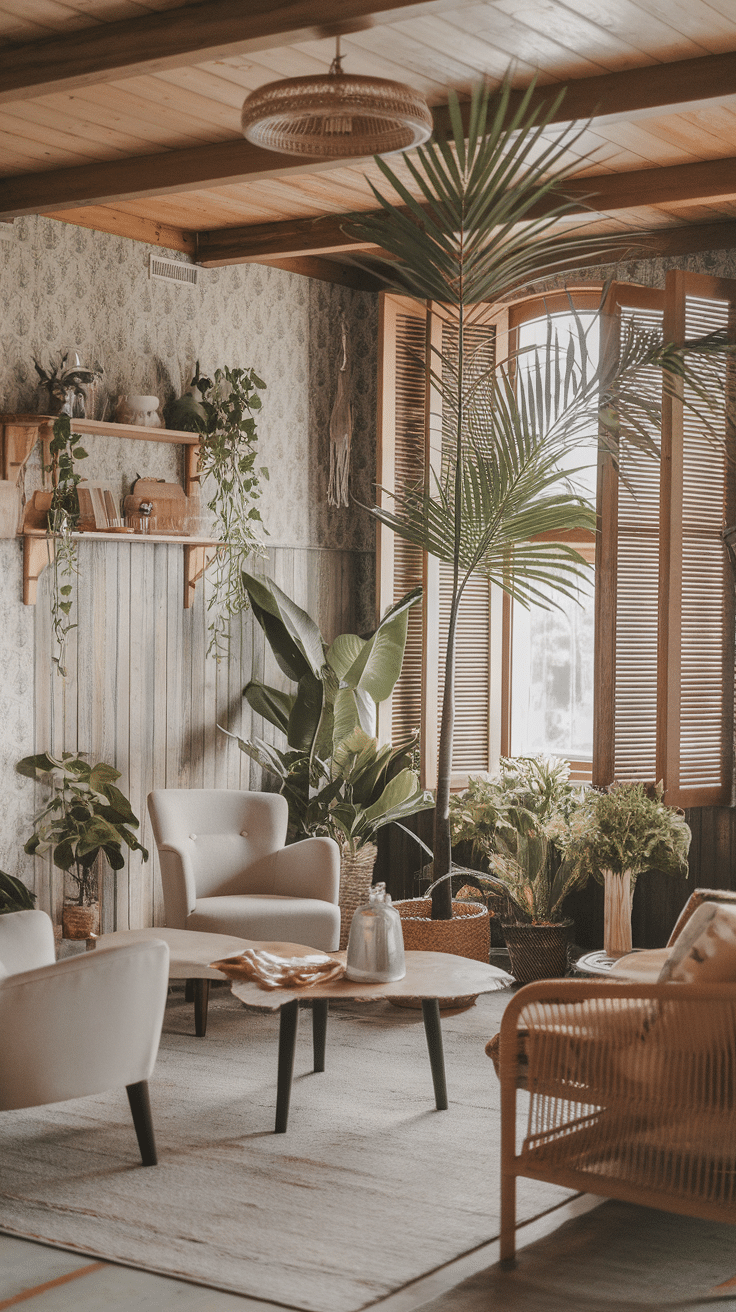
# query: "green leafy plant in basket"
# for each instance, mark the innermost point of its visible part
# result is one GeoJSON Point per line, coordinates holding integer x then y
{"type": "Point", "coordinates": [85, 817]}
{"type": "Point", "coordinates": [338, 686]}
{"type": "Point", "coordinates": [521, 827]}
{"type": "Point", "coordinates": [621, 833]}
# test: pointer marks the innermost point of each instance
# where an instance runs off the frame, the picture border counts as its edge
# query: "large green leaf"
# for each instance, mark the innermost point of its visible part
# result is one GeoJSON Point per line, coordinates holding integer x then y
{"type": "Point", "coordinates": [270, 703]}
{"type": "Point", "coordinates": [294, 638]}
{"type": "Point", "coordinates": [374, 665]}
{"type": "Point", "coordinates": [306, 713]}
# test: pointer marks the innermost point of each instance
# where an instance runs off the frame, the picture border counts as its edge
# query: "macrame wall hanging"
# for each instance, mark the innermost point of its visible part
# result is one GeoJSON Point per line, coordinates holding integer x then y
{"type": "Point", "coordinates": [341, 428]}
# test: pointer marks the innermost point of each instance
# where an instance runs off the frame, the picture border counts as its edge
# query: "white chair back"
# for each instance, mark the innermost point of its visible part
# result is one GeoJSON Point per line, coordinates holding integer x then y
{"type": "Point", "coordinates": [219, 832]}
{"type": "Point", "coordinates": [26, 941]}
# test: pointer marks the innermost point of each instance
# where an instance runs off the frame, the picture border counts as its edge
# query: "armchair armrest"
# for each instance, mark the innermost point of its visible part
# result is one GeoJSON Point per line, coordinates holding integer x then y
{"type": "Point", "coordinates": [179, 884]}
{"type": "Point", "coordinates": [83, 1025]}
{"type": "Point", "coordinates": [310, 869]}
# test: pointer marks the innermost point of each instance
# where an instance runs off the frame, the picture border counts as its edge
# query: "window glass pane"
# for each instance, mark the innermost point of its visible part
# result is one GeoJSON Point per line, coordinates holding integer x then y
{"type": "Point", "coordinates": [552, 679]}
{"type": "Point", "coordinates": [552, 650]}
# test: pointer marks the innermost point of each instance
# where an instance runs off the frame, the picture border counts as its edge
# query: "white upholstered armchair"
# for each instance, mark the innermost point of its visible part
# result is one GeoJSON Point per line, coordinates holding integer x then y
{"type": "Point", "coordinates": [225, 869]}
{"type": "Point", "coordinates": [80, 1026]}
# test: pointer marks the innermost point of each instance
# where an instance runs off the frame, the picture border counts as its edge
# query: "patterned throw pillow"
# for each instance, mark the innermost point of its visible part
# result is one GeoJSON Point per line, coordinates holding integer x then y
{"type": "Point", "coordinates": [705, 952]}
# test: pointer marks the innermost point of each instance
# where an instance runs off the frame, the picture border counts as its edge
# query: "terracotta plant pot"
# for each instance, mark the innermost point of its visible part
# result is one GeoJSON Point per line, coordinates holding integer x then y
{"type": "Point", "coordinates": [79, 922]}
{"type": "Point", "coordinates": [538, 951]}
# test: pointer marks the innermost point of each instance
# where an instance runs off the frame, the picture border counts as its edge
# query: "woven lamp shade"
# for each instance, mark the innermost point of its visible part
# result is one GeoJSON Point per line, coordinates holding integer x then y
{"type": "Point", "coordinates": [336, 116]}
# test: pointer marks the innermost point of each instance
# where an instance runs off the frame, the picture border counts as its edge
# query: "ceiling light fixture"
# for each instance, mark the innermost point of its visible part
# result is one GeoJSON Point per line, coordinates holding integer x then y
{"type": "Point", "coordinates": [336, 116]}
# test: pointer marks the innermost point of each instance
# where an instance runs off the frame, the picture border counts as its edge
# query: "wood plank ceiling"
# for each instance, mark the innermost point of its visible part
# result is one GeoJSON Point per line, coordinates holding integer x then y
{"type": "Point", "coordinates": [124, 115]}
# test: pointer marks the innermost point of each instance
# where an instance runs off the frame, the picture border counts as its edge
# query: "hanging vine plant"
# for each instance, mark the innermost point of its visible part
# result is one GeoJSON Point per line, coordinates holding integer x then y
{"type": "Point", "coordinates": [228, 463]}
{"type": "Point", "coordinates": [63, 518]}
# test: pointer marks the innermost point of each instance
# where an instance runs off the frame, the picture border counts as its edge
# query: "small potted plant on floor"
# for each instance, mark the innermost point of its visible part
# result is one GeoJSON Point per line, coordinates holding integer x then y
{"type": "Point", "coordinates": [86, 817]}
{"type": "Point", "coordinates": [621, 833]}
{"type": "Point", "coordinates": [521, 827]}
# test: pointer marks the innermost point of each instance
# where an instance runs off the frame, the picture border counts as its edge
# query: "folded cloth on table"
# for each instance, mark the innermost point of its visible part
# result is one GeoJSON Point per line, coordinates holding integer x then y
{"type": "Point", "coordinates": [273, 972]}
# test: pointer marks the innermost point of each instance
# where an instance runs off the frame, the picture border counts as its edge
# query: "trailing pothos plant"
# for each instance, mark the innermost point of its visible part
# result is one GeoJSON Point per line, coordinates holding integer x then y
{"type": "Point", "coordinates": [63, 518]}
{"type": "Point", "coordinates": [227, 463]}
{"type": "Point", "coordinates": [86, 815]}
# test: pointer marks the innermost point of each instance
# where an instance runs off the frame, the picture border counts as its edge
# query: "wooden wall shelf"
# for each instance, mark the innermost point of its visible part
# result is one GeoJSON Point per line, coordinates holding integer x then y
{"type": "Point", "coordinates": [38, 552]}
{"type": "Point", "coordinates": [38, 548]}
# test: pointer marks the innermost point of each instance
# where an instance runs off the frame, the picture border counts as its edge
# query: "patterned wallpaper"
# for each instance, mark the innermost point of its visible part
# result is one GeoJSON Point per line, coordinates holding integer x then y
{"type": "Point", "coordinates": [63, 287]}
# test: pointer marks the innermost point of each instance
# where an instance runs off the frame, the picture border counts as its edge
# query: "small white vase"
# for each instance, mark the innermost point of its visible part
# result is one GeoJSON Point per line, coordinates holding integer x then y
{"type": "Point", "coordinates": [617, 913]}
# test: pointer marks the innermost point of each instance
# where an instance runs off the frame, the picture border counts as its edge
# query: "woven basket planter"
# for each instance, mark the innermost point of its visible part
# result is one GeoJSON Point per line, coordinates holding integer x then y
{"type": "Point", "coordinates": [356, 877]}
{"type": "Point", "coordinates": [468, 934]}
{"type": "Point", "coordinates": [79, 922]}
{"type": "Point", "coordinates": [538, 951]}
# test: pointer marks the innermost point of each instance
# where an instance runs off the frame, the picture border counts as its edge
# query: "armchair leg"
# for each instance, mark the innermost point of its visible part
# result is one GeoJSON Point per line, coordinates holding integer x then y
{"type": "Point", "coordinates": [320, 1007]}
{"type": "Point", "coordinates": [201, 999]}
{"type": "Point", "coordinates": [140, 1107]}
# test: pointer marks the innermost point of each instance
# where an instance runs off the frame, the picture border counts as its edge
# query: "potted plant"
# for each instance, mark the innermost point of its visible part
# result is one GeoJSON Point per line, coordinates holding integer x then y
{"type": "Point", "coordinates": [14, 896]}
{"type": "Point", "coordinates": [86, 817]}
{"type": "Point", "coordinates": [491, 198]}
{"type": "Point", "coordinates": [521, 828]}
{"type": "Point", "coordinates": [621, 833]}
{"type": "Point", "coordinates": [332, 773]}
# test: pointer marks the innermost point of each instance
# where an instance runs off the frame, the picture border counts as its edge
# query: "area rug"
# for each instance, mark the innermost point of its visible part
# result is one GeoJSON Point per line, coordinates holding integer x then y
{"type": "Point", "coordinates": [369, 1189]}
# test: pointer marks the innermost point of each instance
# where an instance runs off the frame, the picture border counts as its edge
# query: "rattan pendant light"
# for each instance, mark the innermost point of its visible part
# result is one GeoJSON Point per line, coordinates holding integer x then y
{"type": "Point", "coordinates": [336, 116]}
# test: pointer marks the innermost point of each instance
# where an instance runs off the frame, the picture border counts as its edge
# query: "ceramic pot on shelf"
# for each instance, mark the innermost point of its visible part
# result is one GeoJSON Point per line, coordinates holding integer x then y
{"type": "Point", "coordinates": [140, 410]}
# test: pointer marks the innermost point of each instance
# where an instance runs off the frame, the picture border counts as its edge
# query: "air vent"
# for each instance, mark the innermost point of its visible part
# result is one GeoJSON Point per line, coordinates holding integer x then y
{"type": "Point", "coordinates": [173, 270]}
{"type": "Point", "coordinates": [7, 231]}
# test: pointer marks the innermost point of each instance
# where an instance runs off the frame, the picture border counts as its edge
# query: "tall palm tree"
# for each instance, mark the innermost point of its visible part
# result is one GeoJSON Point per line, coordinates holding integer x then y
{"type": "Point", "coordinates": [484, 227]}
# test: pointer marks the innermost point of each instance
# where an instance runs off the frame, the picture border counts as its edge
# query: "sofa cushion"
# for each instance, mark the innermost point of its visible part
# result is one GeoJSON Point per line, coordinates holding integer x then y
{"type": "Point", "coordinates": [705, 952]}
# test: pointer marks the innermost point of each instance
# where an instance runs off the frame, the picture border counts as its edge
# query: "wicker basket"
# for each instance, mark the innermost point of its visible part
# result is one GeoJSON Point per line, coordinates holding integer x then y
{"type": "Point", "coordinates": [79, 922]}
{"type": "Point", "coordinates": [468, 934]}
{"type": "Point", "coordinates": [538, 951]}
{"type": "Point", "coordinates": [356, 877]}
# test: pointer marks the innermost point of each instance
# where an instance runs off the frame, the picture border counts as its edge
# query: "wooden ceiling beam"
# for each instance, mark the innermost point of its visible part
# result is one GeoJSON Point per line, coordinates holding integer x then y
{"type": "Point", "coordinates": [193, 34]}
{"type": "Point", "coordinates": [604, 193]}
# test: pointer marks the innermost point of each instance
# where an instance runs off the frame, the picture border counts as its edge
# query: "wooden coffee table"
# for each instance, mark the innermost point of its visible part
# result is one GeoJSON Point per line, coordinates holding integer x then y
{"type": "Point", "coordinates": [430, 976]}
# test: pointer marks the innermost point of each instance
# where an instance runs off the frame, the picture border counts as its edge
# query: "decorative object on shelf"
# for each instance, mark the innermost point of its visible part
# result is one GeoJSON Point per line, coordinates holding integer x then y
{"type": "Point", "coordinates": [341, 431]}
{"type": "Point", "coordinates": [14, 896]}
{"type": "Point", "coordinates": [168, 507]}
{"type": "Point", "coordinates": [376, 945]}
{"type": "Point", "coordinates": [86, 817]}
{"type": "Point", "coordinates": [141, 410]}
{"type": "Point", "coordinates": [624, 831]}
{"type": "Point", "coordinates": [336, 115]}
{"type": "Point", "coordinates": [63, 519]}
{"type": "Point", "coordinates": [66, 382]}
{"type": "Point", "coordinates": [98, 511]}
{"type": "Point", "coordinates": [227, 457]}
{"type": "Point", "coordinates": [186, 411]}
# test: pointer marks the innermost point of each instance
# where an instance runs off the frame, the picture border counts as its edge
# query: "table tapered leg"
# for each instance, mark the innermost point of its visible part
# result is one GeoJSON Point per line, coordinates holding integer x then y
{"type": "Point", "coordinates": [201, 999]}
{"type": "Point", "coordinates": [320, 1008]}
{"type": "Point", "coordinates": [431, 1017]}
{"type": "Point", "coordinates": [287, 1047]}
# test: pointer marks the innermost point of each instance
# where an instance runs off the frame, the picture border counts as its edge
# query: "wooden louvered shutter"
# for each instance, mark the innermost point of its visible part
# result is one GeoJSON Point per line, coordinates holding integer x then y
{"type": "Point", "coordinates": [627, 577]}
{"type": "Point", "coordinates": [471, 741]}
{"type": "Point", "coordinates": [664, 608]}
{"type": "Point", "coordinates": [695, 738]}
{"type": "Point", "coordinates": [410, 441]}
{"type": "Point", "coordinates": [401, 464]}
